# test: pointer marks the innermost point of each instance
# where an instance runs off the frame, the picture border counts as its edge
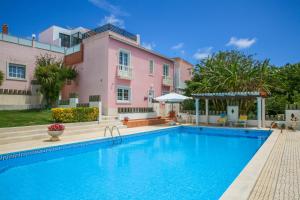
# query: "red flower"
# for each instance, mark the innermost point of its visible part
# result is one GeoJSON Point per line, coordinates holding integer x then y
{"type": "Point", "coordinates": [56, 127]}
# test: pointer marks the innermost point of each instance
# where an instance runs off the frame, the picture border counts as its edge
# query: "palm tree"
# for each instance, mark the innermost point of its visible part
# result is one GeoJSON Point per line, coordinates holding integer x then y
{"type": "Point", "coordinates": [51, 74]}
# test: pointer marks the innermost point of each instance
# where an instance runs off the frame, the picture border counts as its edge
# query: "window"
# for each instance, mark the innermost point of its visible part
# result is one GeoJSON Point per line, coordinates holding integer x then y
{"type": "Point", "coordinates": [124, 57]}
{"type": "Point", "coordinates": [76, 38]}
{"type": "Point", "coordinates": [16, 71]}
{"type": "Point", "coordinates": [65, 40]}
{"type": "Point", "coordinates": [166, 70]}
{"type": "Point", "coordinates": [123, 94]}
{"type": "Point", "coordinates": [165, 92]}
{"type": "Point", "coordinates": [151, 67]}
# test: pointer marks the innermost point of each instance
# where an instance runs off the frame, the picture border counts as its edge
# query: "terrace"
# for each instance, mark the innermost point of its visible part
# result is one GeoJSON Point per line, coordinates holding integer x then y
{"type": "Point", "coordinates": [110, 27]}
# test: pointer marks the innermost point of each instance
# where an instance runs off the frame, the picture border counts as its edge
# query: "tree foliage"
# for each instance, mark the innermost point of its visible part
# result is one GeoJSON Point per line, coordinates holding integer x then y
{"type": "Point", "coordinates": [286, 90]}
{"type": "Point", "coordinates": [1, 77]}
{"type": "Point", "coordinates": [52, 74]}
{"type": "Point", "coordinates": [230, 71]}
{"type": "Point", "coordinates": [233, 71]}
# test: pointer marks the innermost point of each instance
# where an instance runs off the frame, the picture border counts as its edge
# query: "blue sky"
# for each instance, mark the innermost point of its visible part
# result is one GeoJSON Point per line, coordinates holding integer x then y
{"type": "Point", "coordinates": [191, 29]}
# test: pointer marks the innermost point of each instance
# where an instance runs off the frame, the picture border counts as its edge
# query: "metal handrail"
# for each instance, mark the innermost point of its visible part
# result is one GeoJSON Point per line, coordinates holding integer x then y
{"type": "Point", "coordinates": [272, 123]}
{"type": "Point", "coordinates": [118, 131]}
{"type": "Point", "coordinates": [111, 133]}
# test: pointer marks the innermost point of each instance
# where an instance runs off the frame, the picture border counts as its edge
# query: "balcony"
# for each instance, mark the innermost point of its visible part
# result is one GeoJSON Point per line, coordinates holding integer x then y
{"type": "Point", "coordinates": [181, 85]}
{"type": "Point", "coordinates": [124, 72]}
{"type": "Point", "coordinates": [167, 81]}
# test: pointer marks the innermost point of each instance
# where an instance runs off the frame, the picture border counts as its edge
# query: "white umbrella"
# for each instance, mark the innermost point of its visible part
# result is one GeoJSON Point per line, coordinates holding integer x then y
{"type": "Point", "coordinates": [172, 98]}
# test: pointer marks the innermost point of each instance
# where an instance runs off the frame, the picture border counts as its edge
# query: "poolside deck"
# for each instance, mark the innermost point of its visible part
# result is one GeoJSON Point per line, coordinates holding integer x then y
{"type": "Point", "coordinates": [280, 177]}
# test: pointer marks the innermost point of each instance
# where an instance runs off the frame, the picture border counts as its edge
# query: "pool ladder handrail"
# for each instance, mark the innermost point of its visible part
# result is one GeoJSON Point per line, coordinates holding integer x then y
{"type": "Point", "coordinates": [111, 129]}
{"type": "Point", "coordinates": [272, 123]}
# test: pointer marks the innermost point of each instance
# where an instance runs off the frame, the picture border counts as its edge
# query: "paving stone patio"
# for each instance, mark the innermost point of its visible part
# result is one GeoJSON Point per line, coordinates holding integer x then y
{"type": "Point", "coordinates": [280, 177]}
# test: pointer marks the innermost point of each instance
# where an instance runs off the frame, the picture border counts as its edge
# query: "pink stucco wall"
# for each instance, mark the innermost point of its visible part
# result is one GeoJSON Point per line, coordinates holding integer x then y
{"type": "Point", "coordinates": [93, 71]}
{"type": "Point", "coordinates": [185, 71]}
{"type": "Point", "coordinates": [98, 73]}
{"type": "Point", "coordinates": [23, 55]}
{"type": "Point", "coordinates": [142, 81]}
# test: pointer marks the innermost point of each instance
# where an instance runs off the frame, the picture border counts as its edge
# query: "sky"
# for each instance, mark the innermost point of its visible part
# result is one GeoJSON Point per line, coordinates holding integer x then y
{"type": "Point", "coordinates": [191, 29]}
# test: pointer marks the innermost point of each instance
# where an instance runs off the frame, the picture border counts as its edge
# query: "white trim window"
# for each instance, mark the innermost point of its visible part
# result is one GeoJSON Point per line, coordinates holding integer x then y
{"type": "Point", "coordinates": [16, 71]}
{"type": "Point", "coordinates": [166, 70]}
{"type": "Point", "coordinates": [123, 94]}
{"type": "Point", "coordinates": [124, 60]}
{"type": "Point", "coordinates": [151, 67]}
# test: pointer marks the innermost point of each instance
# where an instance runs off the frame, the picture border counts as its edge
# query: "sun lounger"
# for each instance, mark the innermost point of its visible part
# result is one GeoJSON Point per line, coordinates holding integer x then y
{"type": "Point", "coordinates": [242, 121]}
{"type": "Point", "coordinates": [222, 119]}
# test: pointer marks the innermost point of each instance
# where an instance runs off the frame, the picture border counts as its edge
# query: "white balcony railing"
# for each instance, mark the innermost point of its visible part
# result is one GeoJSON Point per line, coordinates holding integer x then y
{"type": "Point", "coordinates": [124, 72]}
{"type": "Point", "coordinates": [181, 85]}
{"type": "Point", "coordinates": [167, 81]}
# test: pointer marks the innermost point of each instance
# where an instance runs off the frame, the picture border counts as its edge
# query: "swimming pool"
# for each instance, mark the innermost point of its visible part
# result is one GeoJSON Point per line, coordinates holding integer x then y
{"type": "Point", "coordinates": [174, 163]}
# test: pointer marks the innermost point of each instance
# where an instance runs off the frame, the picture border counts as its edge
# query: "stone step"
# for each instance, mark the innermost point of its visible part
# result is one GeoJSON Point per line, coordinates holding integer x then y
{"type": "Point", "coordinates": [44, 135]}
{"type": "Point", "coordinates": [67, 129]}
{"type": "Point", "coordinates": [67, 126]}
{"type": "Point", "coordinates": [109, 117]}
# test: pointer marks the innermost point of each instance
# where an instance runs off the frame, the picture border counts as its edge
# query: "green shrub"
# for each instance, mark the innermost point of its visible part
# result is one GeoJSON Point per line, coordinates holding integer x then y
{"type": "Point", "coordinates": [1, 77]}
{"type": "Point", "coordinates": [79, 114]}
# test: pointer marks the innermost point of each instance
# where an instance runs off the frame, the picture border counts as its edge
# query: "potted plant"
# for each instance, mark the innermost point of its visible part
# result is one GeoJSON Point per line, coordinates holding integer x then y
{"type": "Point", "coordinates": [172, 114]}
{"type": "Point", "coordinates": [125, 120]}
{"type": "Point", "coordinates": [55, 130]}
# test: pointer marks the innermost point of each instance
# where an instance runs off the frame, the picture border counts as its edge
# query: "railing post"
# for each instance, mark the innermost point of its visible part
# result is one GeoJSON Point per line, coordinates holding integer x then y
{"type": "Point", "coordinates": [197, 111]}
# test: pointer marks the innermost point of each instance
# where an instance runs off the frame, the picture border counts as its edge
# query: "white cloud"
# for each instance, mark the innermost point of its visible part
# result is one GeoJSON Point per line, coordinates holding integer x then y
{"type": "Point", "coordinates": [202, 53]}
{"type": "Point", "coordinates": [178, 46]}
{"type": "Point", "coordinates": [112, 20]}
{"type": "Point", "coordinates": [241, 43]}
{"type": "Point", "coordinates": [105, 5]}
{"type": "Point", "coordinates": [149, 46]}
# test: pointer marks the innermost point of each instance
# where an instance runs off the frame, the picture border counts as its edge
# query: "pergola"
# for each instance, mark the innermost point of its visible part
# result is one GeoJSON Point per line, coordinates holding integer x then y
{"type": "Point", "coordinates": [259, 96]}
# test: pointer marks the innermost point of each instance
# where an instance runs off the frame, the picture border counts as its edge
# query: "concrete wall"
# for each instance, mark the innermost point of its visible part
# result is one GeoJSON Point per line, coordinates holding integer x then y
{"type": "Point", "coordinates": [213, 120]}
{"type": "Point", "coordinates": [51, 34]}
{"type": "Point", "coordinates": [20, 102]}
{"type": "Point", "coordinates": [137, 115]}
{"type": "Point", "coordinates": [288, 117]}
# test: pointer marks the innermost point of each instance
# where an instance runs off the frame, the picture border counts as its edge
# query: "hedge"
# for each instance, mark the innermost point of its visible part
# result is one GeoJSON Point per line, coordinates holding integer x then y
{"type": "Point", "coordinates": [79, 114]}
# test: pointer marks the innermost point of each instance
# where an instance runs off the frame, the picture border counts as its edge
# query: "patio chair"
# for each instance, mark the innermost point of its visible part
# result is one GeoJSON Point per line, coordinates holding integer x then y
{"type": "Point", "coordinates": [242, 121]}
{"type": "Point", "coordinates": [222, 119]}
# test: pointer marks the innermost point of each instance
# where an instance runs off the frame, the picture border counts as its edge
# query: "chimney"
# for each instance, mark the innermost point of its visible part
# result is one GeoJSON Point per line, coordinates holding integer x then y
{"type": "Point", "coordinates": [138, 39]}
{"type": "Point", "coordinates": [5, 29]}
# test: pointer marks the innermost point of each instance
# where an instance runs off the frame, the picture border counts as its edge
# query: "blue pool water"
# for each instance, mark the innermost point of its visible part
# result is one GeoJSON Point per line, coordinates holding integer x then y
{"type": "Point", "coordinates": [176, 163]}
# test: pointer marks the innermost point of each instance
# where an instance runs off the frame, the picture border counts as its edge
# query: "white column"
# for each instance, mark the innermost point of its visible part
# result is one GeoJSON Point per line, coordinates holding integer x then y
{"type": "Point", "coordinates": [100, 112]}
{"type": "Point", "coordinates": [206, 110]}
{"type": "Point", "coordinates": [263, 115]}
{"type": "Point", "coordinates": [259, 113]}
{"type": "Point", "coordinates": [197, 111]}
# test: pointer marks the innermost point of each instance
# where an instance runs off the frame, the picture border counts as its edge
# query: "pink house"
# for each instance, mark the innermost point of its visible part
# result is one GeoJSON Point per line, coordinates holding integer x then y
{"type": "Point", "coordinates": [113, 65]}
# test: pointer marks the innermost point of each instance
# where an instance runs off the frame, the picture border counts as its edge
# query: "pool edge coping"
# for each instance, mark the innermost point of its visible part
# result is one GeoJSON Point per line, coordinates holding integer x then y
{"type": "Point", "coordinates": [85, 140]}
{"type": "Point", "coordinates": [244, 183]}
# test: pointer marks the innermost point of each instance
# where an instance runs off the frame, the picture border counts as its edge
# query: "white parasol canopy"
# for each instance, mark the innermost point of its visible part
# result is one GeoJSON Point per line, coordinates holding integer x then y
{"type": "Point", "coordinates": [172, 98]}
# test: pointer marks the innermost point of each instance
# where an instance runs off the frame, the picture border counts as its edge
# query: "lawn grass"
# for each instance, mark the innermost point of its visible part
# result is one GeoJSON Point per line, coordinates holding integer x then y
{"type": "Point", "coordinates": [11, 118]}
